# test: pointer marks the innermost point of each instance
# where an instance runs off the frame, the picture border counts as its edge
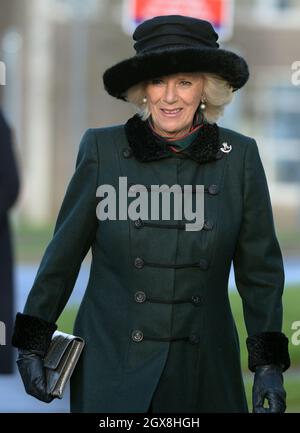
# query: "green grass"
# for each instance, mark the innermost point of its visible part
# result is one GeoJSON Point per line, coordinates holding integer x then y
{"type": "Point", "coordinates": [289, 241]}
{"type": "Point", "coordinates": [66, 320]}
{"type": "Point", "coordinates": [30, 242]}
{"type": "Point", "coordinates": [291, 302]}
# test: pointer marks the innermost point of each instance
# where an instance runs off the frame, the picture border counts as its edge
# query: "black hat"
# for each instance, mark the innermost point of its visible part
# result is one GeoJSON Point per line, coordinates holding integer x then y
{"type": "Point", "coordinates": [170, 44]}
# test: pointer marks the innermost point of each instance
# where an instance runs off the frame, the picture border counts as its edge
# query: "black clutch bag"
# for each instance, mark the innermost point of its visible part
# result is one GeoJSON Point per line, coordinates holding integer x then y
{"type": "Point", "coordinates": [60, 361]}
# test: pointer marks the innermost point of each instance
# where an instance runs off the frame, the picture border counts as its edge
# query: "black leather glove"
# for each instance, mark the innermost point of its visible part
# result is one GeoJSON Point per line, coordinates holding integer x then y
{"type": "Point", "coordinates": [32, 371]}
{"type": "Point", "coordinates": [268, 384]}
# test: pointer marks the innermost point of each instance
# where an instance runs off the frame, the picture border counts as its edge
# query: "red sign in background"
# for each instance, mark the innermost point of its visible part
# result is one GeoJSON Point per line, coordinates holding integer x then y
{"type": "Point", "coordinates": [218, 12]}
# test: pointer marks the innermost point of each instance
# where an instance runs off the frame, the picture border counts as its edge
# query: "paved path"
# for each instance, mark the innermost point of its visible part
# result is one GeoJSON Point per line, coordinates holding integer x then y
{"type": "Point", "coordinates": [13, 398]}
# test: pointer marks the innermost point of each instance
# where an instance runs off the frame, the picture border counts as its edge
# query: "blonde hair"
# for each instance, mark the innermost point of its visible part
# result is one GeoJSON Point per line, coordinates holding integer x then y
{"type": "Point", "coordinates": [217, 94]}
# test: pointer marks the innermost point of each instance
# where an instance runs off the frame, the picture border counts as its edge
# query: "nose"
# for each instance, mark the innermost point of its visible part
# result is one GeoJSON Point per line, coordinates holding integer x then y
{"type": "Point", "coordinates": [170, 94]}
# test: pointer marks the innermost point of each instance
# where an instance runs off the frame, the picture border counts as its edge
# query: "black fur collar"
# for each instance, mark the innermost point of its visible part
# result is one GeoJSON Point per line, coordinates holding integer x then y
{"type": "Point", "coordinates": [146, 146]}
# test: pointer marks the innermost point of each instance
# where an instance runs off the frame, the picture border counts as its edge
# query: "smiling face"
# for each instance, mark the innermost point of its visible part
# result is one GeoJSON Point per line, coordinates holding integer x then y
{"type": "Point", "coordinates": [173, 101]}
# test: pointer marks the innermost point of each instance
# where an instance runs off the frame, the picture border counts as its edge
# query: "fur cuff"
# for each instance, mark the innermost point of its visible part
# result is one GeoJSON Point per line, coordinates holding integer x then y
{"type": "Point", "coordinates": [268, 348]}
{"type": "Point", "coordinates": [32, 333]}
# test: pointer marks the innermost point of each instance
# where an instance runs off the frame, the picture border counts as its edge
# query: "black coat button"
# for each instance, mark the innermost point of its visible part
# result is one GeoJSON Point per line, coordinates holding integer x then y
{"type": "Point", "coordinates": [194, 339]}
{"type": "Point", "coordinates": [140, 296]}
{"type": "Point", "coordinates": [203, 264]}
{"type": "Point", "coordinates": [138, 263]}
{"type": "Point", "coordinates": [208, 225]}
{"type": "Point", "coordinates": [127, 152]}
{"type": "Point", "coordinates": [137, 335]}
{"type": "Point", "coordinates": [196, 299]}
{"type": "Point", "coordinates": [138, 223]}
{"type": "Point", "coordinates": [213, 189]}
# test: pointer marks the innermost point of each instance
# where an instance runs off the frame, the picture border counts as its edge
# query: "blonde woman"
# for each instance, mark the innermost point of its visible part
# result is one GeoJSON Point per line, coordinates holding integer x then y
{"type": "Point", "coordinates": [156, 317]}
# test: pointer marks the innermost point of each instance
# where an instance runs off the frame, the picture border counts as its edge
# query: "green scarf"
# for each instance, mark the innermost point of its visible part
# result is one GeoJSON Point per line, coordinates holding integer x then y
{"type": "Point", "coordinates": [183, 143]}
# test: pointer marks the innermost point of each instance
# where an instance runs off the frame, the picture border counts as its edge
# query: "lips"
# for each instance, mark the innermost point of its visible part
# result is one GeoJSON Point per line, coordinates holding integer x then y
{"type": "Point", "coordinates": [171, 113]}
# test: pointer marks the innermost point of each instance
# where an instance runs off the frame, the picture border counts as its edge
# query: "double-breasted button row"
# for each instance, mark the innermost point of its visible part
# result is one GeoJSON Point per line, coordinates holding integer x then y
{"type": "Point", "coordinates": [202, 264]}
{"type": "Point", "coordinates": [212, 189]}
{"type": "Point", "coordinates": [137, 336]}
{"type": "Point", "coordinates": [141, 297]}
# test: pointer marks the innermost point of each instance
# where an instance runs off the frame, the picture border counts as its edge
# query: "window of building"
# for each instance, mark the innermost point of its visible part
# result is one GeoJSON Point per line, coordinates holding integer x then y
{"type": "Point", "coordinates": [282, 126]}
{"type": "Point", "coordinates": [284, 4]}
{"type": "Point", "coordinates": [277, 12]}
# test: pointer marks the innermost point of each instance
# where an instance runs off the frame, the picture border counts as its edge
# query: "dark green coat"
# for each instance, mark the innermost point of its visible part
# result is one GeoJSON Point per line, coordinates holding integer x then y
{"type": "Point", "coordinates": [129, 357]}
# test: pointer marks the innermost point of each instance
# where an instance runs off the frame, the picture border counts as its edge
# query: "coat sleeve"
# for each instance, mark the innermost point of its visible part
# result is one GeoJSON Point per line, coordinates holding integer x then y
{"type": "Point", "coordinates": [258, 269]}
{"type": "Point", "coordinates": [74, 233]}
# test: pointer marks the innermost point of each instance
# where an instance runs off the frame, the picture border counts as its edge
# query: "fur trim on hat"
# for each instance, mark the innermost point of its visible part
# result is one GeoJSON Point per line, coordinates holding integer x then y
{"type": "Point", "coordinates": [32, 333]}
{"type": "Point", "coordinates": [228, 65]}
{"type": "Point", "coordinates": [268, 348]}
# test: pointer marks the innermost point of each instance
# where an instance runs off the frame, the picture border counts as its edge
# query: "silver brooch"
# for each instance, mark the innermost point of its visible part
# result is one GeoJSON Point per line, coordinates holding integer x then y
{"type": "Point", "coordinates": [226, 148]}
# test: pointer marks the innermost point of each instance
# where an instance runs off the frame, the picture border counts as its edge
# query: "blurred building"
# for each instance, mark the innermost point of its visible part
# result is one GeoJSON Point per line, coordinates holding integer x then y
{"type": "Point", "coordinates": [268, 31]}
{"type": "Point", "coordinates": [57, 50]}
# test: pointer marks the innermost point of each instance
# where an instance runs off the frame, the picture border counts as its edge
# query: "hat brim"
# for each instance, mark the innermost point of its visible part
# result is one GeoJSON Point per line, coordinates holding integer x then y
{"type": "Point", "coordinates": [127, 73]}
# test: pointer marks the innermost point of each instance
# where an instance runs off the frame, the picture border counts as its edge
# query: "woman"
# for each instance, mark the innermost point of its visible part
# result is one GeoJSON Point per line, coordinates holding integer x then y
{"type": "Point", "coordinates": [156, 316]}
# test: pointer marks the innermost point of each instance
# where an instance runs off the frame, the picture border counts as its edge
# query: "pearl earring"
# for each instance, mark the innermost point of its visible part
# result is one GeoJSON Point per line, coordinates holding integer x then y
{"type": "Point", "coordinates": [144, 100]}
{"type": "Point", "coordinates": [202, 105]}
